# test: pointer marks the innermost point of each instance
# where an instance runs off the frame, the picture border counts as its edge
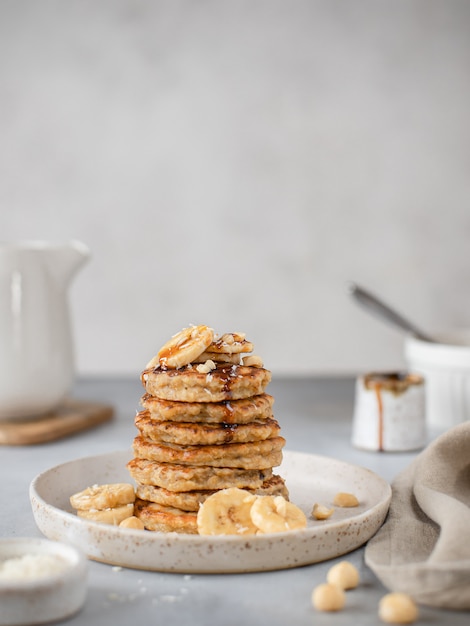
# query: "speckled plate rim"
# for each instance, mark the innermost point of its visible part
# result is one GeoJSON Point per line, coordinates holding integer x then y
{"type": "Point", "coordinates": [309, 478]}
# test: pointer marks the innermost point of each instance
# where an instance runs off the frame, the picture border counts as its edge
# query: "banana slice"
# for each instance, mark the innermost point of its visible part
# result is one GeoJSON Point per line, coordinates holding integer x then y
{"type": "Point", "coordinates": [230, 343]}
{"type": "Point", "coordinates": [183, 347]}
{"type": "Point", "coordinates": [113, 516]}
{"type": "Point", "coordinates": [219, 357]}
{"type": "Point", "coordinates": [100, 497]}
{"type": "Point", "coordinates": [226, 512]}
{"type": "Point", "coordinates": [274, 514]}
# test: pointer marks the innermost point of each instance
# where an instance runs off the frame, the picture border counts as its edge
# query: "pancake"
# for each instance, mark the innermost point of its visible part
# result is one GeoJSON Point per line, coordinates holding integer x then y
{"type": "Point", "coordinates": [229, 411]}
{"type": "Point", "coordinates": [187, 384]}
{"type": "Point", "coordinates": [204, 433]}
{"type": "Point", "coordinates": [253, 455]}
{"type": "Point", "coordinates": [191, 500]}
{"type": "Point", "coordinates": [161, 518]}
{"type": "Point", "coordinates": [188, 478]}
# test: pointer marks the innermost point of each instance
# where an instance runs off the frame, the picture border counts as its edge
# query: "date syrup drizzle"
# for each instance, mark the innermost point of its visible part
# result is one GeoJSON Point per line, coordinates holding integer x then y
{"type": "Point", "coordinates": [380, 429]}
{"type": "Point", "coordinates": [395, 382]}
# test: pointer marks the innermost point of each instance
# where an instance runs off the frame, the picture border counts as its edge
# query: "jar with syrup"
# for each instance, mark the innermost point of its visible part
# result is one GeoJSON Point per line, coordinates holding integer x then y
{"type": "Point", "coordinates": [389, 412]}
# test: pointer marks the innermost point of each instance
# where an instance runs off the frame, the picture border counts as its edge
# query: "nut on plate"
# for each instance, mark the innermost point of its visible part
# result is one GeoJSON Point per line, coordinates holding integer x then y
{"type": "Point", "coordinates": [345, 500]}
{"type": "Point", "coordinates": [321, 512]}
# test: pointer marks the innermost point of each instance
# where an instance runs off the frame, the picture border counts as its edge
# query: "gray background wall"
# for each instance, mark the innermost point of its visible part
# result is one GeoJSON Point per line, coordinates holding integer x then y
{"type": "Point", "coordinates": [236, 162]}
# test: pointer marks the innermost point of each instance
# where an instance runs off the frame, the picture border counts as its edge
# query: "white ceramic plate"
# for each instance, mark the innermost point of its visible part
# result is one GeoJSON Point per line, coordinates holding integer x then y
{"type": "Point", "coordinates": [309, 479]}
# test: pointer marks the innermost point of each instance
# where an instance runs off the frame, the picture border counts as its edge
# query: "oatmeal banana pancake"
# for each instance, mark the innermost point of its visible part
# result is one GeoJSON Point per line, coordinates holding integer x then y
{"type": "Point", "coordinates": [191, 500]}
{"type": "Point", "coordinates": [188, 478]}
{"type": "Point", "coordinates": [229, 411]}
{"type": "Point", "coordinates": [204, 433]}
{"type": "Point", "coordinates": [206, 425]}
{"type": "Point", "coordinates": [157, 517]}
{"type": "Point", "coordinates": [253, 455]}
{"type": "Point", "coordinates": [224, 382]}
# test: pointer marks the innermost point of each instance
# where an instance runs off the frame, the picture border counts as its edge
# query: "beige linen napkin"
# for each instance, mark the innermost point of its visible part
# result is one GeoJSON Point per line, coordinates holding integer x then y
{"type": "Point", "coordinates": [423, 548]}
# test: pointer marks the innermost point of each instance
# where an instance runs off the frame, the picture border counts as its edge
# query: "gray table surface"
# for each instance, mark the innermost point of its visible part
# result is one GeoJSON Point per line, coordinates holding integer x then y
{"type": "Point", "coordinates": [315, 417]}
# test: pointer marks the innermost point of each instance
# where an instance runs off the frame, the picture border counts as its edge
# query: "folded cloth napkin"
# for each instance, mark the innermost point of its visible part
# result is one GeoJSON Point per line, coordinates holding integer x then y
{"type": "Point", "coordinates": [423, 548]}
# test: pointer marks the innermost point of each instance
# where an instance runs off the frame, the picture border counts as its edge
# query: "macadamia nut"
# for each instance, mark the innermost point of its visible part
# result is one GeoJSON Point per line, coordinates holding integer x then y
{"type": "Point", "coordinates": [398, 608]}
{"type": "Point", "coordinates": [345, 500]}
{"type": "Point", "coordinates": [327, 597]}
{"type": "Point", "coordinates": [252, 360]}
{"type": "Point", "coordinates": [132, 522]}
{"type": "Point", "coordinates": [320, 511]}
{"type": "Point", "coordinates": [344, 575]}
{"type": "Point", "coordinates": [205, 368]}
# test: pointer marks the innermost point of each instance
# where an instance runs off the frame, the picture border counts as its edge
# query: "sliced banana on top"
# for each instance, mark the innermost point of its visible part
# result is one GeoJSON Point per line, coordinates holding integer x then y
{"type": "Point", "coordinates": [226, 512]}
{"type": "Point", "coordinates": [197, 344]}
{"type": "Point", "coordinates": [108, 496]}
{"type": "Point", "coordinates": [183, 348]}
{"type": "Point", "coordinates": [230, 343]}
{"type": "Point", "coordinates": [219, 357]}
{"type": "Point", "coordinates": [274, 514]}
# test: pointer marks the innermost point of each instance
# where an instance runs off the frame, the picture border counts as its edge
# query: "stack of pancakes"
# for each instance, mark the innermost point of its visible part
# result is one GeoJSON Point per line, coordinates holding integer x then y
{"type": "Point", "coordinates": [206, 425]}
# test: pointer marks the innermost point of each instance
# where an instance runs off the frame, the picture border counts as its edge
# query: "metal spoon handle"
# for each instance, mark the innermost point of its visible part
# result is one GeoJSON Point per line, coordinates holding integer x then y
{"type": "Point", "coordinates": [382, 310]}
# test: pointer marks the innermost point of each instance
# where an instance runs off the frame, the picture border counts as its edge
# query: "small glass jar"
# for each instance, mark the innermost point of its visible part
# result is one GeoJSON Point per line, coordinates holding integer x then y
{"type": "Point", "coordinates": [389, 412]}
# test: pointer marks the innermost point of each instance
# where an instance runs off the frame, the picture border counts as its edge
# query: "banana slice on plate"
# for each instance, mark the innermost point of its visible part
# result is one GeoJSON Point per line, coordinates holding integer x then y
{"type": "Point", "coordinates": [105, 496]}
{"type": "Point", "coordinates": [226, 512]}
{"type": "Point", "coordinates": [274, 514]}
{"type": "Point", "coordinates": [235, 511]}
{"type": "Point", "coordinates": [113, 516]}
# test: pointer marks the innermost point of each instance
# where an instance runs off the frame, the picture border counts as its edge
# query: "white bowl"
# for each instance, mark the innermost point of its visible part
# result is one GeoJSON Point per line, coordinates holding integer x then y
{"type": "Point", "coordinates": [446, 369]}
{"type": "Point", "coordinates": [40, 596]}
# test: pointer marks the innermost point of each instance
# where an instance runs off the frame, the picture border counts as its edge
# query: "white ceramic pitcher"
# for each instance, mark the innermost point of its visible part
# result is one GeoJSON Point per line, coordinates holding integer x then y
{"type": "Point", "coordinates": [36, 345]}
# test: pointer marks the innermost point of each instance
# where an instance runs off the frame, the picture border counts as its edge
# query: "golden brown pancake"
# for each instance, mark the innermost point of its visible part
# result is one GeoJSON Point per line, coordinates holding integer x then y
{"type": "Point", "coordinates": [165, 518]}
{"type": "Point", "coordinates": [188, 478]}
{"type": "Point", "coordinates": [253, 455]}
{"type": "Point", "coordinates": [225, 382]}
{"type": "Point", "coordinates": [191, 500]}
{"type": "Point", "coordinates": [229, 411]}
{"type": "Point", "coordinates": [204, 433]}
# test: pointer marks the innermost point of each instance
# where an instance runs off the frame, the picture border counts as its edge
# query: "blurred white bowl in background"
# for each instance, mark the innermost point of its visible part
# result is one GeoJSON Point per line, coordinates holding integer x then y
{"type": "Point", "coordinates": [446, 369]}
